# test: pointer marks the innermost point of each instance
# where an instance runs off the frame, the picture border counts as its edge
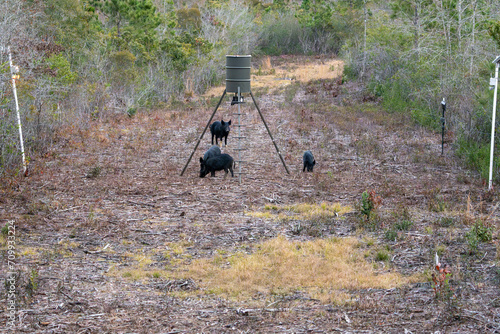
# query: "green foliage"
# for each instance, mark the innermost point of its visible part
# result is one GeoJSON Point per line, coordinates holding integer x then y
{"type": "Point", "coordinates": [403, 225]}
{"type": "Point", "coordinates": [479, 232]}
{"type": "Point", "coordinates": [436, 202]}
{"type": "Point", "coordinates": [412, 69]}
{"type": "Point", "coordinates": [32, 285]}
{"type": "Point", "coordinates": [446, 221]}
{"type": "Point", "coordinates": [382, 255]}
{"type": "Point", "coordinates": [131, 112]}
{"type": "Point", "coordinates": [73, 24]}
{"type": "Point", "coordinates": [189, 18]}
{"type": "Point", "coordinates": [367, 207]}
{"type": "Point", "coordinates": [477, 156]}
{"type": "Point", "coordinates": [391, 235]}
{"type": "Point", "coordinates": [494, 31]}
{"type": "Point", "coordinates": [61, 68]}
{"type": "Point", "coordinates": [5, 229]}
{"type": "Point", "coordinates": [123, 70]}
{"type": "Point", "coordinates": [327, 24]}
{"type": "Point", "coordinates": [131, 25]}
{"type": "Point", "coordinates": [483, 232]}
{"type": "Point", "coordinates": [368, 203]}
{"type": "Point", "coordinates": [281, 35]}
{"type": "Point", "coordinates": [185, 49]}
{"type": "Point", "coordinates": [93, 172]}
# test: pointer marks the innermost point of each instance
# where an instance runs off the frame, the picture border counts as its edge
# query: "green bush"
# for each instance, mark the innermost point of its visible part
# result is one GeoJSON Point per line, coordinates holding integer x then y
{"type": "Point", "coordinates": [280, 35]}
{"type": "Point", "coordinates": [476, 156]}
{"type": "Point", "coordinates": [479, 232]}
{"type": "Point", "coordinates": [403, 225]}
{"type": "Point", "coordinates": [391, 235]}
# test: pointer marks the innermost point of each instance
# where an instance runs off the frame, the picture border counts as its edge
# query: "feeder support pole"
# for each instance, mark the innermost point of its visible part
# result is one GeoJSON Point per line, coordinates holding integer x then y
{"type": "Point", "coordinates": [13, 77]}
{"type": "Point", "coordinates": [496, 61]}
{"type": "Point", "coordinates": [270, 135]}
{"type": "Point", "coordinates": [205, 130]}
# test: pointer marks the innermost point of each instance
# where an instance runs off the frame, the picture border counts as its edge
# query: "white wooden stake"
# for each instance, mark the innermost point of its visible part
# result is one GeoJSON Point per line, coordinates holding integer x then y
{"type": "Point", "coordinates": [13, 74]}
{"type": "Point", "coordinates": [496, 61]}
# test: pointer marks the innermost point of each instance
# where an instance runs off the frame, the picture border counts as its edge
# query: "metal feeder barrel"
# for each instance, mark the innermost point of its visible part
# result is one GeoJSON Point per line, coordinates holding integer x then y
{"type": "Point", "coordinates": [238, 73]}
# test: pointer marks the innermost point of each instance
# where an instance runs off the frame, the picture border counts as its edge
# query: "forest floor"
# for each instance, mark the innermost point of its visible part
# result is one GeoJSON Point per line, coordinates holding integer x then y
{"type": "Point", "coordinates": [110, 238]}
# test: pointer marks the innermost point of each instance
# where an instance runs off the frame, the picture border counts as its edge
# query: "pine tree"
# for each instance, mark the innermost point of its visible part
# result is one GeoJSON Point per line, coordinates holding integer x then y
{"type": "Point", "coordinates": [132, 25]}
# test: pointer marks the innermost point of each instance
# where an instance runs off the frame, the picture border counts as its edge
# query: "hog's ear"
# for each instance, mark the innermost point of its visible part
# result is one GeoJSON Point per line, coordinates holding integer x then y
{"type": "Point", "coordinates": [229, 122]}
{"type": "Point", "coordinates": [201, 160]}
{"type": "Point", "coordinates": [222, 122]}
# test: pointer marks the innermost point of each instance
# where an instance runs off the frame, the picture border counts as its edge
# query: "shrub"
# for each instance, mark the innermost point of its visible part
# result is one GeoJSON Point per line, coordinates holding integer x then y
{"type": "Point", "coordinates": [391, 235]}
{"type": "Point", "coordinates": [369, 203]}
{"type": "Point", "coordinates": [280, 35]}
{"type": "Point", "coordinates": [476, 156]}
{"type": "Point", "coordinates": [478, 233]}
{"type": "Point", "coordinates": [5, 229]}
{"type": "Point", "coordinates": [403, 225]}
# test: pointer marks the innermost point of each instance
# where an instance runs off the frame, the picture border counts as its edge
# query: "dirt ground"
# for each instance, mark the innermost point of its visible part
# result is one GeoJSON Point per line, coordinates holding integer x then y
{"type": "Point", "coordinates": [104, 198]}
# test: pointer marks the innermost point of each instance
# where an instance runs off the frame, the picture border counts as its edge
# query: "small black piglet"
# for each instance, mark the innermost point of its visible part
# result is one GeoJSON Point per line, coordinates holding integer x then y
{"type": "Point", "coordinates": [220, 162]}
{"type": "Point", "coordinates": [309, 161]}
{"type": "Point", "coordinates": [220, 130]}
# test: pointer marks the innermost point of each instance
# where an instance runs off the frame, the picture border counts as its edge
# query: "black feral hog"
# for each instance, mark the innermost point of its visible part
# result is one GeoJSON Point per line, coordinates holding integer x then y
{"type": "Point", "coordinates": [220, 130]}
{"type": "Point", "coordinates": [210, 153]}
{"type": "Point", "coordinates": [309, 161]}
{"type": "Point", "coordinates": [220, 162]}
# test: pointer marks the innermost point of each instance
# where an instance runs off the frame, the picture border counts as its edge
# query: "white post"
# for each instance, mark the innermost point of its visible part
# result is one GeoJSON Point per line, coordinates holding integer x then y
{"type": "Point", "coordinates": [493, 123]}
{"type": "Point", "coordinates": [13, 77]}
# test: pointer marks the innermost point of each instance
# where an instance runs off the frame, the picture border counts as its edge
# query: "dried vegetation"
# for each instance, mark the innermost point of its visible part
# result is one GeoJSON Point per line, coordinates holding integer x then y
{"type": "Point", "coordinates": [110, 237]}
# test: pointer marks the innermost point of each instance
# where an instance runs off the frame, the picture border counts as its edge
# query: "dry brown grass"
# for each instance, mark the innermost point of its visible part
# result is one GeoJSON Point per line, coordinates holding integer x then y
{"type": "Point", "coordinates": [302, 211]}
{"type": "Point", "coordinates": [265, 63]}
{"type": "Point", "coordinates": [284, 75]}
{"type": "Point", "coordinates": [323, 267]}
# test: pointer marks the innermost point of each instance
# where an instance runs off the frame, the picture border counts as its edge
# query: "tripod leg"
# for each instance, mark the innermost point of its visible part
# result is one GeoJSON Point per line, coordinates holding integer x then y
{"type": "Point", "coordinates": [205, 130]}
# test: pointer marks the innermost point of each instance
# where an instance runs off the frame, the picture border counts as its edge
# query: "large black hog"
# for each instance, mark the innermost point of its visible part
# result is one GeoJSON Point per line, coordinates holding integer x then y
{"type": "Point", "coordinates": [220, 162]}
{"type": "Point", "coordinates": [309, 161]}
{"type": "Point", "coordinates": [220, 130]}
{"type": "Point", "coordinates": [210, 153]}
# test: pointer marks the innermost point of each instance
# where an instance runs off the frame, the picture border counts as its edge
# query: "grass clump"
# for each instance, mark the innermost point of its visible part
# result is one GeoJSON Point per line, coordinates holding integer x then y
{"type": "Point", "coordinates": [93, 172]}
{"type": "Point", "coordinates": [446, 222]}
{"type": "Point", "coordinates": [382, 255]}
{"type": "Point", "coordinates": [391, 235]}
{"type": "Point", "coordinates": [309, 219]}
{"type": "Point", "coordinates": [303, 211]}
